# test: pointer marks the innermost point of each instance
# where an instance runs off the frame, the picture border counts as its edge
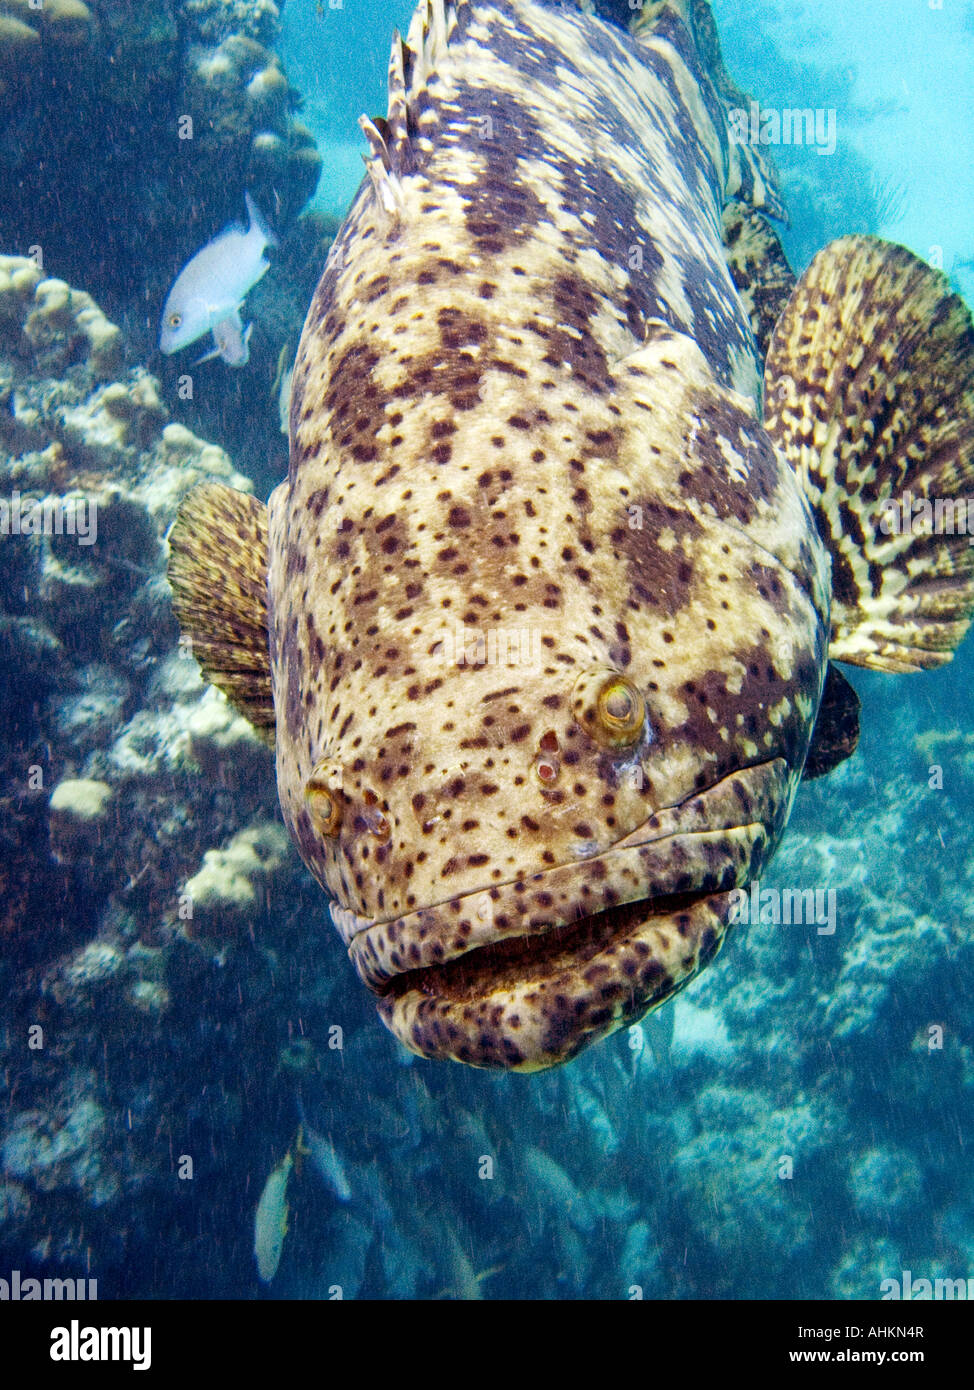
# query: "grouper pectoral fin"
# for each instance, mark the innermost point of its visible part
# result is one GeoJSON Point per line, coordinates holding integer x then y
{"type": "Point", "coordinates": [218, 575]}
{"type": "Point", "coordinates": [836, 731]}
{"type": "Point", "coordinates": [869, 392]}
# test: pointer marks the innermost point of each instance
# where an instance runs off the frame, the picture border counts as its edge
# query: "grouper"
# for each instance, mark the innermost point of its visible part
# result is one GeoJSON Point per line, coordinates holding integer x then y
{"type": "Point", "coordinates": [585, 501]}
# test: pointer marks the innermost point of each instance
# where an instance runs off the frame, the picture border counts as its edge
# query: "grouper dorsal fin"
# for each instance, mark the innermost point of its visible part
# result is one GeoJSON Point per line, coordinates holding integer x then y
{"type": "Point", "coordinates": [869, 391]}
{"type": "Point", "coordinates": [412, 63]}
{"type": "Point", "coordinates": [218, 575]}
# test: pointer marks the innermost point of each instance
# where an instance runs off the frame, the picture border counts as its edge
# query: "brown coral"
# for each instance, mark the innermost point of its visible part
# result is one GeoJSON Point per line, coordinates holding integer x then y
{"type": "Point", "coordinates": [54, 325]}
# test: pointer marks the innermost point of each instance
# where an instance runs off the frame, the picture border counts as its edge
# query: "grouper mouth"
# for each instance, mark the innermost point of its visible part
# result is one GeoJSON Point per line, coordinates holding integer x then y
{"type": "Point", "coordinates": [523, 975]}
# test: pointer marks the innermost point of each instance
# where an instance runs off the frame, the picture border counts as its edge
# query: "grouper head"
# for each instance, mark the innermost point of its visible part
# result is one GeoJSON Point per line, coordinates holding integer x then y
{"type": "Point", "coordinates": [539, 711]}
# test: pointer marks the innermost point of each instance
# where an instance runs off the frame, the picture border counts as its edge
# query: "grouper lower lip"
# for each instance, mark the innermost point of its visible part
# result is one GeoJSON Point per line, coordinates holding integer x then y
{"type": "Point", "coordinates": [487, 977]}
{"type": "Point", "coordinates": [529, 1003]}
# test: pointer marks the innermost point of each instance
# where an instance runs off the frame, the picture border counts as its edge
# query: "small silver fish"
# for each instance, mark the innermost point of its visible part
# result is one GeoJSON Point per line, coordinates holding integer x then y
{"type": "Point", "coordinates": [210, 289]}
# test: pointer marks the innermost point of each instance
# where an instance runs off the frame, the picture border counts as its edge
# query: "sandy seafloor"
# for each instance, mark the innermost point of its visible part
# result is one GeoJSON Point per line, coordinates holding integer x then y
{"type": "Point", "coordinates": [796, 1125]}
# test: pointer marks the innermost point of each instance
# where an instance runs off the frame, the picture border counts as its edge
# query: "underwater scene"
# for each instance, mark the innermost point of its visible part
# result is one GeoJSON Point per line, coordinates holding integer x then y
{"type": "Point", "coordinates": [485, 782]}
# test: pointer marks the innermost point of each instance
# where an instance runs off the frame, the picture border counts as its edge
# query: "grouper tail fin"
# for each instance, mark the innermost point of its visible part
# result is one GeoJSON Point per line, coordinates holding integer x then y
{"type": "Point", "coordinates": [869, 391]}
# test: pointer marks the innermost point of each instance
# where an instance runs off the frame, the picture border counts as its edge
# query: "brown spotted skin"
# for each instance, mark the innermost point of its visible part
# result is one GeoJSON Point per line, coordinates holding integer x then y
{"type": "Point", "coordinates": [525, 403]}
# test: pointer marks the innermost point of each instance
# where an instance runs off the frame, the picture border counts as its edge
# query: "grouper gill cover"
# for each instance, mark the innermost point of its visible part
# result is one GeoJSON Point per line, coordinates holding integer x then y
{"type": "Point", "coordinates": [584, 493]}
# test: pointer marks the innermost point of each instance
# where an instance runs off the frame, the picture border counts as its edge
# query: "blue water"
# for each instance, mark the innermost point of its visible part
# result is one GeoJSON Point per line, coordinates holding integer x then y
{"type": "Point", "coordinates": [796, 1124]}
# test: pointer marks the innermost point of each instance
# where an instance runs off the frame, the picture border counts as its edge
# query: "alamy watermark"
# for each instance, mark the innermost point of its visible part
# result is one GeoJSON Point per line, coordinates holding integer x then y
{"type": "Point", "coordinates": [77, 1343]}
{"type": "Point", "coordinates": [775, 907]}
{"type": "Point", "coordinates": [51, 516]}
{"type": "Point", "coordinates": [15, 1289]}
{"type": "Point", "coordinates": [928, 516]}
{"type": "Point", "coordinates": [495, 646]}
{"type": "Point", "coordinates": [763, 125]}
{"type": "Point", "coordinates": [922, 1290]}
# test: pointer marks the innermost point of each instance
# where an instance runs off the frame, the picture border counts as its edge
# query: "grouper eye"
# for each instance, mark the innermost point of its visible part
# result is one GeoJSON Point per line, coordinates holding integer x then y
{"type": "Point", "coordinates": [324, 800]}
{"type": "Point", "coordinates": [175, 320]}
{"type": "Point", "coordinates": [609, 707]}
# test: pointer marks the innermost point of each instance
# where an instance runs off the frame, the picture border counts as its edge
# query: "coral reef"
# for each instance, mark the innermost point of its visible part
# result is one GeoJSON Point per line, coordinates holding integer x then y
{"type": "Point", "coordinates": [240, 104]}
{"type": "Point", "coordinates": [47, 322]}
{"type": "Point", "coordinates": [222, 894]}
{"type": "Point", "coordinates": [25, 30]}
{"type": "Point", "coordinates": [110, 734]}
{"type": "Point", "coordinates": [78, 818]}
{"type": "Point", "coordinates": [211, 21]}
